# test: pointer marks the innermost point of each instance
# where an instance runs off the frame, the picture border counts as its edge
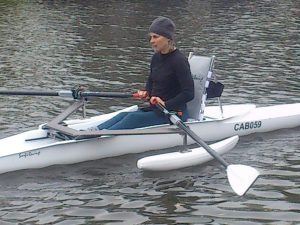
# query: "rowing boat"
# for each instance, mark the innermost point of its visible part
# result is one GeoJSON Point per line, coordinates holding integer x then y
{"type": "Point", "coordinates": [48, 145]}
{"type": "Point", "coordinates": [65, 141]}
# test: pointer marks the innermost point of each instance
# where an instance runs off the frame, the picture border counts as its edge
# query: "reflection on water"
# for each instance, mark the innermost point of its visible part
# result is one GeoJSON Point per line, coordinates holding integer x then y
{"type": "Point", "coordinates": [48, 45]}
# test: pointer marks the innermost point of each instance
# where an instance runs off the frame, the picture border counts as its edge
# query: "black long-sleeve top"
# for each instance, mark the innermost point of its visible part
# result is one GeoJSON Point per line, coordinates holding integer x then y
{"type": "Point", "coordinates": [170, 79]}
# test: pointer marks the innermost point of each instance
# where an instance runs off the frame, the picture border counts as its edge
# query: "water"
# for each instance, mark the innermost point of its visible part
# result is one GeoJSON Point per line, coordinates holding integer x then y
{"type": "Point", "coordinates": [54, 45]}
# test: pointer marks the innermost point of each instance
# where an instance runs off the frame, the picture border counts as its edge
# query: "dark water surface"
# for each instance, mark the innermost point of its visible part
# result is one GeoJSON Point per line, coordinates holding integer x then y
{"type": "Point", "coordinates": [53, 45]}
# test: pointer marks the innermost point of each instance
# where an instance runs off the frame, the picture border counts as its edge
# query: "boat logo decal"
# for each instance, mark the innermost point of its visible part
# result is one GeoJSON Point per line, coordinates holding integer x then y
{"type": "Point", "coordinates": [247, 125]}
{"type": "Point", "coordinates": [28, 154]}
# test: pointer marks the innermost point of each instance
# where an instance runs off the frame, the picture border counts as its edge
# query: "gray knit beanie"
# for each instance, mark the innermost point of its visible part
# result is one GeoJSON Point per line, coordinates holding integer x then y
{"type": "Point", "coordinates": [163, 26]}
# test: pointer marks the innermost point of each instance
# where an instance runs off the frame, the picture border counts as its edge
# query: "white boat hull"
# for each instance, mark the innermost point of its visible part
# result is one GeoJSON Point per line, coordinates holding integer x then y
{"type": "Point", "coordinates": [33, 149]}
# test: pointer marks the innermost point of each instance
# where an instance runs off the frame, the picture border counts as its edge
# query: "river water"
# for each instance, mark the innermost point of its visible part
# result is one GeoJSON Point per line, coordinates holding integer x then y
{"type": "Point", "coordinates": [54, 45]}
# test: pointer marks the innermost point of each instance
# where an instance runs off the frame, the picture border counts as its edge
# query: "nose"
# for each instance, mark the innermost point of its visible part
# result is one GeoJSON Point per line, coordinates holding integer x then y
{"type": "Point", "coordinates": [151, 39]}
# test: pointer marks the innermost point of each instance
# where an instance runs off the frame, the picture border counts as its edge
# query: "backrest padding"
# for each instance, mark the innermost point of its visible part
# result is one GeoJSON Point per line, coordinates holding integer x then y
{"type": "Point", "coordinates": [200, 66]}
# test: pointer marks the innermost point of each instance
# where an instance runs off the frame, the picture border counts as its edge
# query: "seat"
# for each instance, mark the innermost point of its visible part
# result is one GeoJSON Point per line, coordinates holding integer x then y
{"type": "Point", "coordinates": [205, 84]}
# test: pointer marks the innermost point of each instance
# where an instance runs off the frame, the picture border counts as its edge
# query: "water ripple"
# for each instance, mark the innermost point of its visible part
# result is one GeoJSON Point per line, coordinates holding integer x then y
{"type": "Point", "coordinates": [48, 45]}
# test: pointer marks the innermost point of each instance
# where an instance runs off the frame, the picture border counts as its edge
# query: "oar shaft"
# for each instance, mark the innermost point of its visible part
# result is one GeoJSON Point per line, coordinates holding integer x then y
{"type": "Point", "coordinates": [196, 138]}
{"type": "Point", "coordinates": [240, 177]}
{"type": "Point", "coordinates": [69, 94]}
{"type": "Point", "coordinates": [106, 94]}
{"type": "Point", "coordinates": [179, 123]}
{"type": "Point", "coordinates": [32, 93]}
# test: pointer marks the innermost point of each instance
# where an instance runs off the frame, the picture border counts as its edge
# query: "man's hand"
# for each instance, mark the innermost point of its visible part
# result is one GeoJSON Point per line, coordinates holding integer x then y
{"type": "Point", "coordinates": [143, 95]}
{"type": "Point", "coordinates": [154, 100]}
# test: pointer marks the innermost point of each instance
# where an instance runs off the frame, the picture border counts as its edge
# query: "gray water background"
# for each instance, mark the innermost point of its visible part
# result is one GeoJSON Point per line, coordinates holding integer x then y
{"type": "Point", "coordinates": [54, 45]}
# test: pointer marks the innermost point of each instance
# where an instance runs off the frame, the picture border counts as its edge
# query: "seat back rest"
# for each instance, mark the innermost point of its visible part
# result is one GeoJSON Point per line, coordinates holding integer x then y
{"type": "Point", "coordinates": [201, 67]}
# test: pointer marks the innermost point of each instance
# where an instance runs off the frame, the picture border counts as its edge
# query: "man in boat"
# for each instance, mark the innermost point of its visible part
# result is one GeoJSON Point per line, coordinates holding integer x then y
{"type": "Point", "coordinates": [170, 82]}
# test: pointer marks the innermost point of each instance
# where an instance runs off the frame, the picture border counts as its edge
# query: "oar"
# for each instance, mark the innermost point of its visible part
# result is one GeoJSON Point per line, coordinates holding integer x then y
{"type": "Point", "coordinates": [240, 177]}
{"type": "Point", "coordinates": [70, 94]}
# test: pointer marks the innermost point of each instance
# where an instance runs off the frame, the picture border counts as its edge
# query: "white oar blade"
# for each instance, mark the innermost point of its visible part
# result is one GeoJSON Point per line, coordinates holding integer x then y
{"type": "Point", "coordinates": [241, 178]}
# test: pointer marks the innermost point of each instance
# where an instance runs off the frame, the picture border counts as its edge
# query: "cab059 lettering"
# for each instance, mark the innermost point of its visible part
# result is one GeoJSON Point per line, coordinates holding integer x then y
{"type": "Point", "coordinates": [247, 125]}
